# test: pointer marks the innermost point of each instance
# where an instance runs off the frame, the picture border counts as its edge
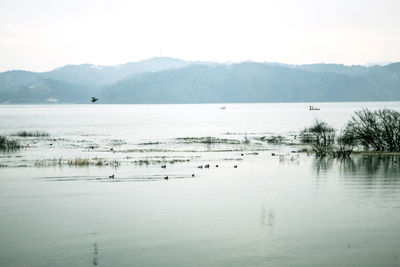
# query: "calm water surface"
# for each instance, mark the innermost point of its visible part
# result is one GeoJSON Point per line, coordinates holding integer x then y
{"type": "Point", "coordinates": [285, 210]}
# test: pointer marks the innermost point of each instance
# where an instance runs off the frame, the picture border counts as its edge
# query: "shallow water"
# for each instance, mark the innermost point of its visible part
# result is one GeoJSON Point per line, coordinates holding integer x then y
{"type": "Point", "coordinates": [285, 210]}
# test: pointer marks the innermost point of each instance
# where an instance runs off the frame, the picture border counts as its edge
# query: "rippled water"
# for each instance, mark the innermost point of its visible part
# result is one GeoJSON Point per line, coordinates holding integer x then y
{"type": "Point", "coordinates": [285, 210]}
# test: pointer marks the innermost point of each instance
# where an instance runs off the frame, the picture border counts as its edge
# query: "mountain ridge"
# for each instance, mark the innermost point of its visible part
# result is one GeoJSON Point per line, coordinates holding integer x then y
{"type": "Point", "coordinates": [170, 80]}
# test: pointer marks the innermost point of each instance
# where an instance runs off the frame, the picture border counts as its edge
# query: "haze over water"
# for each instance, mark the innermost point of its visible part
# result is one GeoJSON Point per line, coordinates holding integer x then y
{"type": "Point", "coordinates": [287, 210]}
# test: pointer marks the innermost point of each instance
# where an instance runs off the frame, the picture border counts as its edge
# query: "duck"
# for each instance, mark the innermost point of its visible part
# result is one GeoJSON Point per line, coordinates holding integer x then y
{"type": "Point", "coordinates": [94, 99]}
{"type": "Point", "coordinates": [207, 166]}
{"type": "Point", "coordinates": [235, 166]}
{"type": "Point", "coordinates": [111, 176]}
{"type": "Point", "coordinates": [164, 166]}
{"type": "Point", "coordinates": [192, 174]}
{"type": "Point", "coordinates": [166, 178]}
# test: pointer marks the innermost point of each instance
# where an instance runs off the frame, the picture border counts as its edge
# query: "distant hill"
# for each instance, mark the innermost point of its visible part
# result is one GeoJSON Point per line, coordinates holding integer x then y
{"type": "Point", "coordinates": [257, 82]}
{"type": "Point", "coordinates": [168, 80]}
{"type": "Point", "coordinates": [74, 83]}
{"type": "Point", "coordinates": [48, 91]}
{"type": "Point", "coordinates": [92, 75]}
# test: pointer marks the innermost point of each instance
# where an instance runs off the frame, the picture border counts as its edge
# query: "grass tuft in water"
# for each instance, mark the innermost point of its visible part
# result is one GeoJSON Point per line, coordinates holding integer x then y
{"type": "Point", "coordinates": [96, 161]}
{"type": "Point", "coordinates": [48, 162]}
{"type": "Point", "coordinates": [276, 139]}
{"type": "Point", "coordinates": [99, 162]}
{"type": "Point", "coordinates": [36, 133]}
{"type": "Point", "coordinates": [207, 140]}
{"type": "Point", "coordinates": [246, 139]}
{"type": "Point", "coordinates": [78, 162]}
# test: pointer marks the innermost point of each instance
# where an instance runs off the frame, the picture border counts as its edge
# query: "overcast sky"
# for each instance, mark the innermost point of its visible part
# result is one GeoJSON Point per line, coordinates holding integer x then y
{"type": "Point", "coordinates": [40, 35]}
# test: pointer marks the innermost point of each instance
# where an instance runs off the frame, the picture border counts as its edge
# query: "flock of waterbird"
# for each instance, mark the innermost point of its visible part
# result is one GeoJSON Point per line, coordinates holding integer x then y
{"type": "Point", "coordinates": [206, 166]}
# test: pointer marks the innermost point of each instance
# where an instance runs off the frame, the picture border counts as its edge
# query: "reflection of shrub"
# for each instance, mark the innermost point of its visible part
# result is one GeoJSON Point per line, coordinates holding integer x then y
{"type": "Point", "coordinates": [6, 144]}
{"type": "Point", "coordinates": [321, 137]}
{"type": "Point", "coordinates": [377, 130]}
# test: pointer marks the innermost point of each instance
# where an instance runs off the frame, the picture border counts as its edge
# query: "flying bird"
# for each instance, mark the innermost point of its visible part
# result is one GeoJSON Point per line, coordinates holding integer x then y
{"type": "Point", "coordinates": [94, 99]}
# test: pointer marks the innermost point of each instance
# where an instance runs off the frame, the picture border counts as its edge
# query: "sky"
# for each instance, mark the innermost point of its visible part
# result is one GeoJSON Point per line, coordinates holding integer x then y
{"type": "Point", "coordinates": [40, 35]}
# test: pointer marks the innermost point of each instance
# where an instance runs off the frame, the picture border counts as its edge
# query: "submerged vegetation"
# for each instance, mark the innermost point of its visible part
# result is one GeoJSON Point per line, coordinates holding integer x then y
{"type": "Point", "coordinates": [77, 162]}
{"type": "Point", "coordinates": [6, 144]}
{"type": "Point", "coordinates": [95, 161]}
{"type": "Point", "coordinates": [246, 139]}
{"type": "Point", "coordinates": [209, 140]}
{"type": "Point", "coordinates": [275, 139]}
{"type": "Point", "coordinates": [36, 133]}
{"type": "Point", "coordinates": [369, 130]}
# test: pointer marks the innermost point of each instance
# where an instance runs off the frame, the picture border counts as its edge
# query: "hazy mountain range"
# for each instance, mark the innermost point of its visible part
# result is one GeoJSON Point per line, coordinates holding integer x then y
{"type": "Point", "coordinates": [169, 80]}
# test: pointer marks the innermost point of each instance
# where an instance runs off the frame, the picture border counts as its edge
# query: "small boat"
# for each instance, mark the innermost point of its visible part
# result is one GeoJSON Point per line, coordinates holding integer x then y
{"type": "Point", "coordinates": [313, 108]}
{"type": "Point", "coordinates": [223, 107]}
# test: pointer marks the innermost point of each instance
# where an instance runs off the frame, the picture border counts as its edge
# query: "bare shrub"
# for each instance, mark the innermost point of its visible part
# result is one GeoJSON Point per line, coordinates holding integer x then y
{"type": "Point", "coordinates": [321, 137]}
{"type": "Point", "coordinates": [376, 130]}
{"type": "Point", "coordinates": [345, 144]}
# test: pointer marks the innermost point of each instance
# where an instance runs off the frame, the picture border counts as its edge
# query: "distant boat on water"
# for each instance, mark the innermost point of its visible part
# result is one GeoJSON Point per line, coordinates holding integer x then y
{"type": "Point", "coordinates": [313, 108]}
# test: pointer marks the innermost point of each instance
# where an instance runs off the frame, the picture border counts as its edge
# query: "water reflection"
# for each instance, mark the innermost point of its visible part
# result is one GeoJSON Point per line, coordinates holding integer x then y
{"type": "Point", "coordinates": [322, 165]}
{"type": "Point", "coordinates": [95, 254]}
{"type": "Point", "coordinates": [271, 218]}
{"type": "Point", "coordinates": [373, 175]}
{"type": "Point", "coordinates": [367, 165]}
{"type": "Point", "coordinates": [386, 166]}
{"type": "Point", "coordinates": [95, 260]}
{"type": "Point", "coordinates": [267, 219]}
{"type": "Point", "coordinates": [263, 216]}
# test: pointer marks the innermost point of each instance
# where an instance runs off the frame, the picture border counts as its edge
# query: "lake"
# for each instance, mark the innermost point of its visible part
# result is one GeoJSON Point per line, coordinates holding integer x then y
{"type": "Point", "coordinates": [278, 207]}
